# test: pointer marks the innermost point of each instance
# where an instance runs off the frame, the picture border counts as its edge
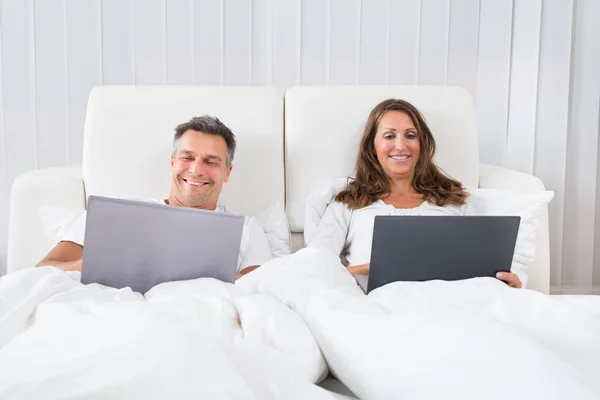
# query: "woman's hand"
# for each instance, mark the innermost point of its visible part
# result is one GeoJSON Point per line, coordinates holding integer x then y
{"type": "Point", "coordinates": [510, 279]}
{"type": "Point", "coordinates": [362, 269]}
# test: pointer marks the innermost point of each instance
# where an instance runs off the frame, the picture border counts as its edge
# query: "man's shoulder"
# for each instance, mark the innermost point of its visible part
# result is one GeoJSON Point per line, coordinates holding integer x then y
{"type": "Point", "coordinates": [248, 221]}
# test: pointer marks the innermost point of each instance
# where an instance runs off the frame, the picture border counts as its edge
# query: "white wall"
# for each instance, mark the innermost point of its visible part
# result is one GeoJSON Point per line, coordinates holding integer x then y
{"type": "Point", "coordinates": [531, 65]}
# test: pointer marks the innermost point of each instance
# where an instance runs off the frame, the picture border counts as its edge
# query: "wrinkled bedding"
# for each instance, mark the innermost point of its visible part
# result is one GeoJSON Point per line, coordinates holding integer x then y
{"type": "Point", "coordinates": [282, 328]}
{"type": "Point", "coordinates": [470, 339]}
{"type": "Point", "coordinates": [193, 339]}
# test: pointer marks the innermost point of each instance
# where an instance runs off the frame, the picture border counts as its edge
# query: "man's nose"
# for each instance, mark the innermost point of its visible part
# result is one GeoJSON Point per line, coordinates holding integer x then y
{"type": "Point", "coordinates": [196, 168]}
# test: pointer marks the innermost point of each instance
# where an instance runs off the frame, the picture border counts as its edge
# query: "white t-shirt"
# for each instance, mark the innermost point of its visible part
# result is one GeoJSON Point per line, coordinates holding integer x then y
{"type": "Point", "coordinates": [254, 246]}
{"type": "Point", "coordinates": [350, 232]}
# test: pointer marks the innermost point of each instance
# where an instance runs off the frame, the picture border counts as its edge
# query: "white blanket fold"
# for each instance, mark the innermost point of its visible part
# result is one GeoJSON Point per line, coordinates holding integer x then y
{"type": "Point", "coordinates": [268, 337]}
{"type": "Point", "coordinates": [471, 339]}
{"type": "Point", "coordinates": [193, 339]}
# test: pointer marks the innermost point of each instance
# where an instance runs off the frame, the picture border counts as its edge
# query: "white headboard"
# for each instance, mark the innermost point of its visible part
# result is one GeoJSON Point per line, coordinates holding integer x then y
{"type": "Point", "coordinates": [323, 126]}
{"type": "Point", "coordinates": [129, 131]}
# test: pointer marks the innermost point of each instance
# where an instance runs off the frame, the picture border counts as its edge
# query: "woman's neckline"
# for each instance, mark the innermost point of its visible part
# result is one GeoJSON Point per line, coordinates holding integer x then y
{"type": "Point", "coordinates": [401, 208]}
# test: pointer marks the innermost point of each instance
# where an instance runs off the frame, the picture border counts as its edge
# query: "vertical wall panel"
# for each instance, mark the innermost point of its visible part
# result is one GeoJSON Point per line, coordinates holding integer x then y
{"type": "Point", "coordinates": [237, 42]}
{"type": "Point", "coordinates": [286, 21]}
{"type": "Point", "coordinates": [493, 78]}
{"type": "Point", "coordinates": [433, 53]}
{"type": "Point", "coordinates": [581, 181]}
{"type": "Point", "coordinates": [553, 116]}
{"type": "Point", "coordinates": [4, 182]}
{"type": "Point", "coordinates": [404, 36]}
{"type": "Point", "coordinates": [118, 42]}
{"type": "Point", "coordinates": [315, 42]}
{"type": "Point", "coordinates": [344, 41]}
{"type": "Point", "coordinates": [520, 138]}
{"type": "Point", "coordinates": [84, 66]}
{"type": "Point", "coordinates": [51, 83]}
{"type": "Point", "coordinates": [18, 81]}
{"type": "Point", "coordinates": [262, 44]}
{"type": "Point", "coordinates": [462, 44]}
{"type": "Point", "coordinates": [208, 42]}
{"type": "Point", "coordinates": [149, 35]}
{"type": "Point", "coordinates": [596, 259]}
{"type": "Point", "coordinates": [179, 42]}
{"type": "Point", "coordinates": [374, 44]}
{"type": "Point", "coordinates": [19, 142]}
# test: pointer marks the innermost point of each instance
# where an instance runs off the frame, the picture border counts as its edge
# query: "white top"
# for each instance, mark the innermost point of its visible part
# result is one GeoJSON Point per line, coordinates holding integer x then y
{"type": "Point", "coordinates": [350, 232]}
{"type": "Point", "coordinates": [254, 247]}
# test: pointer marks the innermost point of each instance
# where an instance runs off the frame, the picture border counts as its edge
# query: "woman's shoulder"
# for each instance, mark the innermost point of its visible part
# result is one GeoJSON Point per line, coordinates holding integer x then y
{"type": "Point", "coordinates": [338, 207]}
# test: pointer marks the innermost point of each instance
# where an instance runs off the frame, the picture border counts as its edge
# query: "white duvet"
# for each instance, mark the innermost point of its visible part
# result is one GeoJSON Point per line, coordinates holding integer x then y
{"type": "Point", "coordinates": [475, 339]}
{"type": "Point", "coordinates": [198, 339]}
{"type": "Point", "coordinates": [264, 338]}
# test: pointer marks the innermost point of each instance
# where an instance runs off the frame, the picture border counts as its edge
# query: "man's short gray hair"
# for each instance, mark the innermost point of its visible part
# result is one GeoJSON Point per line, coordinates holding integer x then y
{"type": "Point", "coordinates": [211, 126]}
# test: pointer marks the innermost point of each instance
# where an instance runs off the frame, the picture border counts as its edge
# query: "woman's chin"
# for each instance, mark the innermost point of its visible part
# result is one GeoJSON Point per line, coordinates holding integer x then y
{"type": "Point", "coordinates": [400, 173]}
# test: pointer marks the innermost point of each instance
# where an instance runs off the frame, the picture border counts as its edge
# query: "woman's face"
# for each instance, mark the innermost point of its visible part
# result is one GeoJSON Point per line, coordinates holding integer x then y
{"type": "Point", "coordinates": [397, 145]}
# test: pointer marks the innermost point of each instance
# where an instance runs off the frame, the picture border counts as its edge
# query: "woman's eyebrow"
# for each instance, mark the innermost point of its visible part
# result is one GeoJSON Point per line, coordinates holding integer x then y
{"type": "Point", "coordinates": [392, 129]}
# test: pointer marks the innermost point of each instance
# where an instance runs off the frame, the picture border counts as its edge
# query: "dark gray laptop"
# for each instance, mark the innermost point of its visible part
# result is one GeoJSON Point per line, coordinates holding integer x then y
{"type": "Point", "coordinates": [422, 248]}
{"type": "Point", "coordinates": [140, 244]}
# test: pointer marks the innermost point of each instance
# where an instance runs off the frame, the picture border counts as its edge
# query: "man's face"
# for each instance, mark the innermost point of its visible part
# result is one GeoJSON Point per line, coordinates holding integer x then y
{"type": "Point", "coordinates": [199, 168]}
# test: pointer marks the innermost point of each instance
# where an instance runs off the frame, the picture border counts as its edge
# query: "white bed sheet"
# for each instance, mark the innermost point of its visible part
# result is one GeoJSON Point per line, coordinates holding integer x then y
{"type": "Point", "coordinates": [265, 338]}
{"type": "Point", "coordinates": [455, 340]}
{"type": "Point", "coordinates": [193, 339]}
{"type": "Point", "coordinates": [582, 303]}
{"type": "Point", "coordinates": [589, 304]}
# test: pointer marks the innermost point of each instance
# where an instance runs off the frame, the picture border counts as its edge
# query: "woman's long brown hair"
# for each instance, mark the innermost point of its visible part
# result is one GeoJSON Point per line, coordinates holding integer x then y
{"type": "Point", "coordinates": [372, 183]}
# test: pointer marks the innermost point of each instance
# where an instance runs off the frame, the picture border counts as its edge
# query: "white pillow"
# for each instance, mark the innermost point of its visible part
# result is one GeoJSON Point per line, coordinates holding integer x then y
{"type": "Point", "coordinates": [316, 204]}
{"type": "Point", "coordinates": [275, 224]}
{"type": "Point", "coordinates": [526, 205]}
{"type": "Point", "coordinates": [57, 221]}
{"type": "Point", "coordinates": [484, 201]}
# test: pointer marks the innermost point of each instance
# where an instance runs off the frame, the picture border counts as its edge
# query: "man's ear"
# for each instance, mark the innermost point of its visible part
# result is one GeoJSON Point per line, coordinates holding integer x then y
{"type": "Point", "coordinates": [172, 160]}
{"type": "Point", "coordinates": [228, 172]}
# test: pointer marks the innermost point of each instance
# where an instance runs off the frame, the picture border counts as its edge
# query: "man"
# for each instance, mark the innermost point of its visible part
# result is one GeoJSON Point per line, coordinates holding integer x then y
{"type": "Point", "coordinates": [201, 162]}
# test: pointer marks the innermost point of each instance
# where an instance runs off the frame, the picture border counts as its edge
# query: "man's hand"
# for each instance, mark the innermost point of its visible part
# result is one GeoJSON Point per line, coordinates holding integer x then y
{"type": "Point", "coordinates": [510, 279]}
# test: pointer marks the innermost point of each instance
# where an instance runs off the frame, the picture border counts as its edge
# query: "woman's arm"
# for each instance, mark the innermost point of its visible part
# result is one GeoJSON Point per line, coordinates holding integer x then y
{"type": "Point", "coordinates": [333, 229]}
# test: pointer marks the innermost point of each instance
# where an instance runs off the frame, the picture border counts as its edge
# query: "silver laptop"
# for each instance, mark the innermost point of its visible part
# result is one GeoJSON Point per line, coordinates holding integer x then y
{"type": "Point", "coordinates": [139, 244]}
{"type": "Point", "coordinates": [422, 248]}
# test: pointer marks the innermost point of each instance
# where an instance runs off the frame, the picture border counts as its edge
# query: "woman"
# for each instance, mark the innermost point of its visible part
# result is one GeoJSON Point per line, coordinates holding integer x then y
{"type": "Point", "coordinates": [395, 174]}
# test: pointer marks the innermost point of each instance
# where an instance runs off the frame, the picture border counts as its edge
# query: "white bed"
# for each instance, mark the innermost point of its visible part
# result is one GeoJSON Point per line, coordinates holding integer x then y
{"type": "Point", "coordinates": [288, 144]}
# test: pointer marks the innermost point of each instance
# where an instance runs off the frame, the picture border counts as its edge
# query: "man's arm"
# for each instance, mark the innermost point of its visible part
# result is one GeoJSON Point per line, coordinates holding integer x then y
{"type": "Point", "coordinates": [65, 255]}
{"type": "Point", "coordinates": [247, 270]}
